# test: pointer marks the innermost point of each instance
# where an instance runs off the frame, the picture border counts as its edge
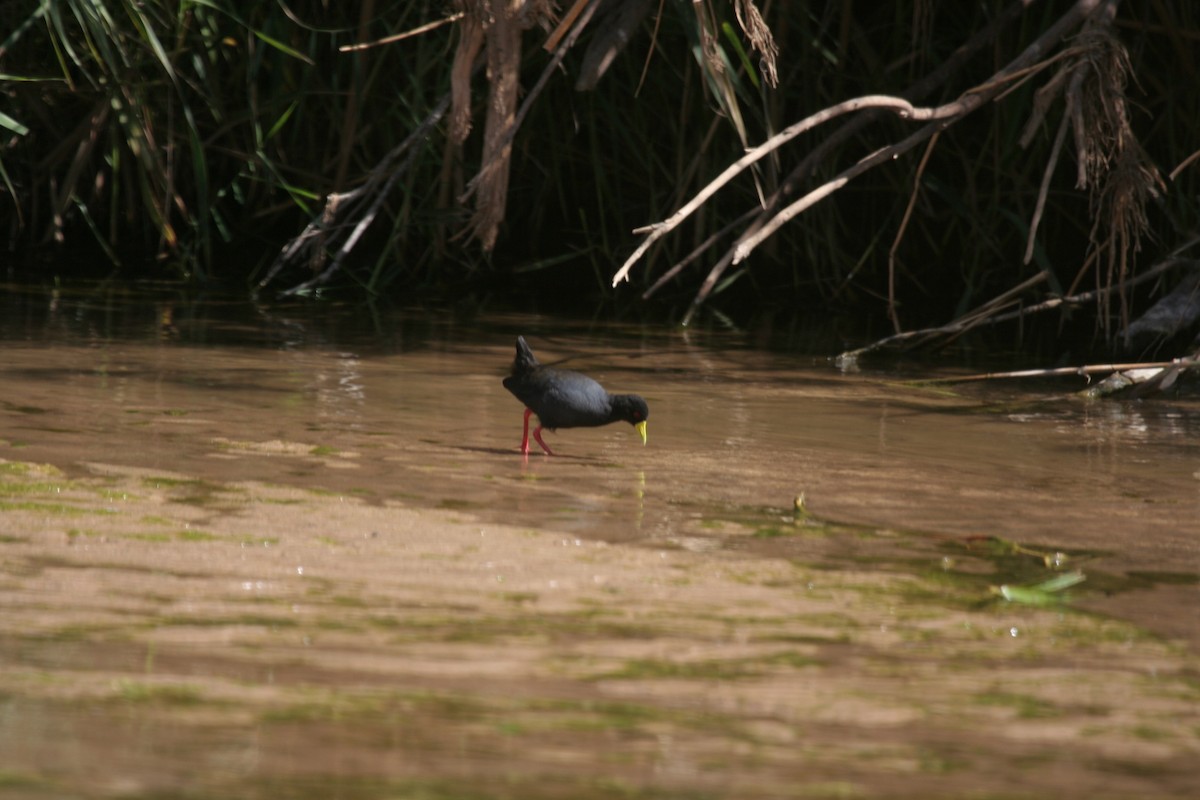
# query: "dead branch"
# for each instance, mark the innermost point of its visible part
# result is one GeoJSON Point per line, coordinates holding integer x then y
{"type": "Point", "coordinates": [1191, 362]}
{"type": "Point", "coordinates": [1029, 61]}
{"type": "Point", "coordinates": [582, 15]}
{"type": "Point", "coordinates": [1044, 189]}
{"type": "Point", "coordinates": [698, 251]}
{"type": "Point", "coordinates": [1183, 165]}
{"type": "Point", "coordinates": [945, 116]}
{"type": "Point", "coordinates": [1138, 379]}
{"type": "Point", "coordinates": [975, 319]}
{"type": "Point", "coordinates": [367, 198]}
{"type": "Point", "coordinates": [502, 29]}
{"type": "Point", "coordinates": [912, 203]}
{"type": "Point", "coordinates": [399, 37]}
{"type": "Point", "coordinates": [1110, 163]}
{"type": "Point", "coordinates": [565, 25]}
{"type": "Point", "coordinates": [496, 28]}
{"type": "Point", "coordinates": [851, 126]}
{"type": "Point", "coordinates": [899, 105]}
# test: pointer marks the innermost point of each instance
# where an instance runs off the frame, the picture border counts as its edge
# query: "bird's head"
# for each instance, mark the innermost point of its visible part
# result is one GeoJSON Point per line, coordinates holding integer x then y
{"type": "Point", "coordinates": [633, 410]}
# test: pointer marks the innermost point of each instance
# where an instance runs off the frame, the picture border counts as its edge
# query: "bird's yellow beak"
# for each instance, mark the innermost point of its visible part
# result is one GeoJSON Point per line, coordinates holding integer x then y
{"type": "Point", "coordinates": [641, 429]}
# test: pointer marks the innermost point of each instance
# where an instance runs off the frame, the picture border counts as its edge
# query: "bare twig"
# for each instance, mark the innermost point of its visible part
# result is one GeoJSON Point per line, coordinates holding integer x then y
{"type": "Point", "coordinates": [912, 202]}
{"type": "Point", "coordinates": [373, 191]}
{"type": "Point", "coordinates": [1190, 362]}
{"type": "Point", "coordinates": [565, 25]}
{"type": "Point", "coordinates": [989, 309]}
{"type": "Point", "coordinates": [922, 88]}
{"type": "Point", "coordinates": [696, 253]}
{"type": "Point", "coordinates": [510, 133]}
{"type": "Point", "coordinates": [944, 115]}
{"type": "Point", "coordinates": [398, 37]}
{"type": "Point", "coordinates": [1044, 190]}
{"type": "Point", "coordinates": [1184, 164]}
{"type": "Point", "coordinates": [899, 105]}
{"type": "Point", "coordinates": [1018, 69]}
{"type": "Point", "coordinates": [962, 324]}
{"type": "Point", "coordinates": [852, 125]}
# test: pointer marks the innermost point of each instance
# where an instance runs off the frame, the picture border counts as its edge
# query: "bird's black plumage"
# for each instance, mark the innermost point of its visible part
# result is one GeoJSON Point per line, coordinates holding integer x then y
{"type": "Point", "coordinates": [565, 399]}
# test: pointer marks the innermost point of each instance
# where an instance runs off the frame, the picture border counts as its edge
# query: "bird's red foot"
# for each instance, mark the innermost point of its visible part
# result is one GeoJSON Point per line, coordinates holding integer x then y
{"type": "Point", "coordinates": [537, 434]}
{"type": "Point", "coordinates": [525, 433]}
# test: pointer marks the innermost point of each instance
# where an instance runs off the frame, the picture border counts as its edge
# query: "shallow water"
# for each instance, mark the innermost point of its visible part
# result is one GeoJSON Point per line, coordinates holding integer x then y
{"type": "Point", "coordinates": [199, 451]}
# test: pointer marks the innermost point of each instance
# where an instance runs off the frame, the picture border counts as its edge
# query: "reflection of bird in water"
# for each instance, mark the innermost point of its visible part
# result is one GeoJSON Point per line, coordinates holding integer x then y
{"type": "Point", "coordinates": [565, 399]}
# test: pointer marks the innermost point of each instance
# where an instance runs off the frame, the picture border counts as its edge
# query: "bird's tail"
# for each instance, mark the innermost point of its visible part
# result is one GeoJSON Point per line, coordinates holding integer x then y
{"type": "Point", "coordinates": [525, 360]}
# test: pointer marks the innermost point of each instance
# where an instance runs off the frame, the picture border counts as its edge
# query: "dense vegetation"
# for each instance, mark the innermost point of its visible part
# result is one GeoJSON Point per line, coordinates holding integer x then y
{"type": "Point", "coordinates": [202, 137]}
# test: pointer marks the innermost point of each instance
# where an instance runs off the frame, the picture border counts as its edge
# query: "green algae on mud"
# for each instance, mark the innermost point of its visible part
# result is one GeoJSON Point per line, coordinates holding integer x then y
{"type": "Point", "coordinates": [360, 632]}
{"type": "Point", "coordinates": [50, 508]}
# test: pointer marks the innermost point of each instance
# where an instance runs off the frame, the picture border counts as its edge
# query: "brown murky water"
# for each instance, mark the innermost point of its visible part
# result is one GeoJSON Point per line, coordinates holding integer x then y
{"type": "Point", "coordinates": [251, 554]}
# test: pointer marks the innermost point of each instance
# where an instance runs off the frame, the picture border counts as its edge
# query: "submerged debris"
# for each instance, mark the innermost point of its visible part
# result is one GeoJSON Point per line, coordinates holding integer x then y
{"type": "Point", "coordinates": [1046, 593]}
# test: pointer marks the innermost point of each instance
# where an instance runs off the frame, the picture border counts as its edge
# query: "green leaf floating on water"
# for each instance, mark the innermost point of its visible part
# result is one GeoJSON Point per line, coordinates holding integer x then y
{"type": "Point", "coordinates": [1042, 594]}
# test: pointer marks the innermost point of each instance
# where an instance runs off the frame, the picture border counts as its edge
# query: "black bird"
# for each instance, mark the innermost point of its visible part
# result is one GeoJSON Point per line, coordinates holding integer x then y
{"type": "Point", "coordinates": [565, 399]}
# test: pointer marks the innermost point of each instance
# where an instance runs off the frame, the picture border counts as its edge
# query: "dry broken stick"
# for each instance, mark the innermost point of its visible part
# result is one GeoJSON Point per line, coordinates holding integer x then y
{"type": "Point", "coordinates": [1031, 59]}
{"type": "Point", "coordinates": [366, 198]}
{"type": "Point", "coordinates": [1138, 378]}
{"type": "Point", "coordinates": [983, 316]}
{"type": "Point", "coordinates": [899, 105]}
{"type": "Point", "coordinates": [580, 21]}
{"type": "Point", "coordinates": [1020, 68]}
{"type": "Point", "coordinates": [850, 128]}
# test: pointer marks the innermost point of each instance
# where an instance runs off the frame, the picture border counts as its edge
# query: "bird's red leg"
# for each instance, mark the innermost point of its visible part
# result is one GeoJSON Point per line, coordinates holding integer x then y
{"type": "Point", "coordinates": [525, 433]}
{"type": "Point", "coordinates": [537, 434]}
